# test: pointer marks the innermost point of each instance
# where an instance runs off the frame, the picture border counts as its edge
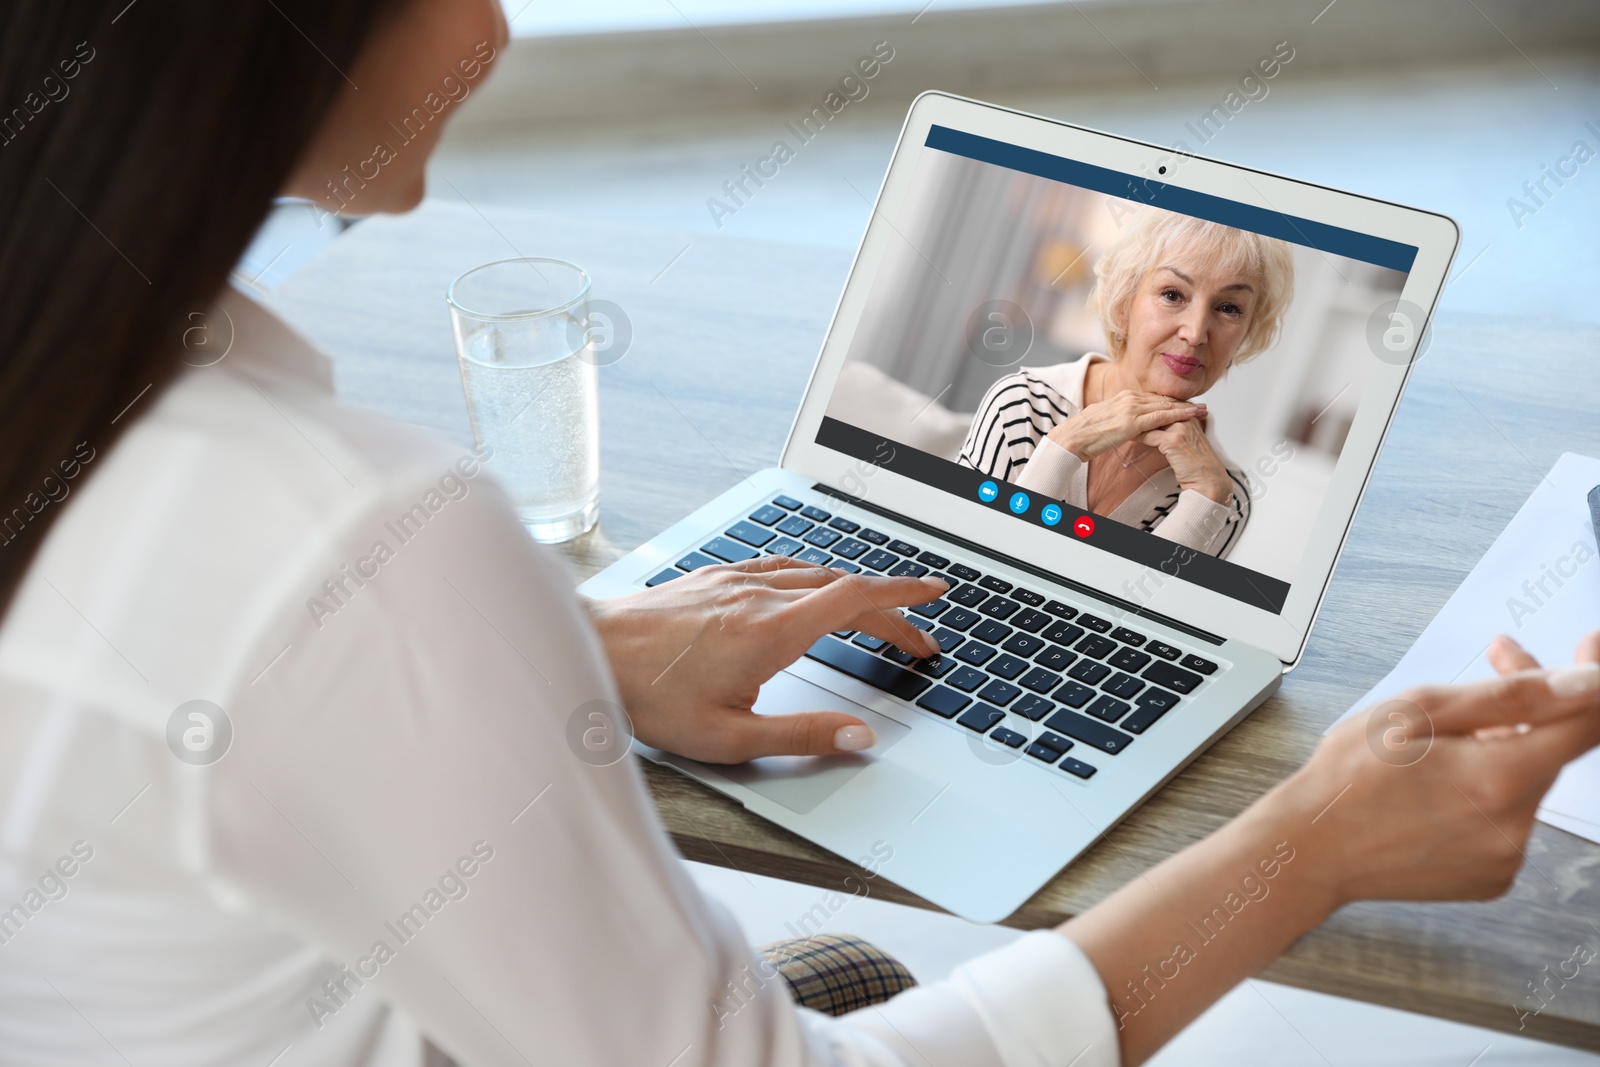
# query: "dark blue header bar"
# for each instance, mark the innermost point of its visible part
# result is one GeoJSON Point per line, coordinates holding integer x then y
{"type": "Point", "coordinates": [1291, 228]}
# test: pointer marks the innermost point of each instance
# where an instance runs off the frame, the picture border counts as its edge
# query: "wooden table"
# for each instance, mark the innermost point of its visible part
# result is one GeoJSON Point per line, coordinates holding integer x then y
{"type": "Point", "coordinates": [725, 333]}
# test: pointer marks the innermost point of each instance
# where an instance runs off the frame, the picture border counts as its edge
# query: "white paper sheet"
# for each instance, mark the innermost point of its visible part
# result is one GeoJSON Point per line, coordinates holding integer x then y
{"type": "Point", "coordinates": [1540, 583]}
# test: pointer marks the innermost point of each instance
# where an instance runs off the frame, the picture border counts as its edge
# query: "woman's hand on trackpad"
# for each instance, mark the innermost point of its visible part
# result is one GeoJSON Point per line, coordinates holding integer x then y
{"type": "Point", "coordinates": [691, 656]}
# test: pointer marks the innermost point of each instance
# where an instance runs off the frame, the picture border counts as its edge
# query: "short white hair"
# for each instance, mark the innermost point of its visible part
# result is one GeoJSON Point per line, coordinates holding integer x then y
{"type": "Point", "coordinates": [1155, 233]}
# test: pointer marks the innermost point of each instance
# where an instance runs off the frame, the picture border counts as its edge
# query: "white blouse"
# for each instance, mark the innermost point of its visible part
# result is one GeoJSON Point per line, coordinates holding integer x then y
{"type": "Point", "coordinates": [398, 840]}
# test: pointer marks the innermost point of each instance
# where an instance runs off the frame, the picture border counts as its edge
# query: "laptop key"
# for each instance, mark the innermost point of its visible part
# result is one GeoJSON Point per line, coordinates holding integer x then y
{"type": "Point", "coordinates": [1127, 636]}
{"type": "Point", "coordinates": [975, 652]}
{"type": "Point", "coordinates": [1030, 620]}
{"type": "Point", "coordinates": [966, 679]}
{"type": "Point", "coordinates": [905, 548]}
{"type": "Point", "coordinates": [1060, 610]}
{"type": "Point", "coordinates": [870, 643]}
{"type": "Point", "coordinates": [922, 624]}
{"type": "Point", "coordinates": [1091, 732]}
{"type": "Point", "coordinates": [815, 555]}
{"type": "Point", "coordinates": [785, 546]}
{"type": "Point", "coordinates": [998, 692]}
{"type": "Point", "coordinates": [794, 526]}
{"type": "Point", "coordinates": [932, 609]}
{"type": "Point", "coordinates": [1109, 708]}
{"type": "Point", "coordinates": [786, 502]}
{"type": "Point", "coordinates": [1175, 678]}
{"type": "Point", "coordinates": [981, 717]}
{"type": "Point", "coordinates": [879, 560]}
{"type": "Point", "coordinates": [662, 578]}
{"type": "Point", "coordinates": [1195, 663]}
{"type": "Point", "coordinates": [944, 701]}
{"type": "Point", "coordinates": [960, 618]}
{"type": "Point", "coordinates": [1024, 645]}
{"type": "Point", "coordinates": [908, 569]}
{"type": "Point", "coordinates": [1077, 767]}
{"type": "Point", "coordinates": [899, 655]}
{"type": "Point", "coordinates": [1054, 740]}
{"type": "Point", "coordinates": [1043, 752]}
{"type": "Point", "coordinates": [1040, 680]}
{"type": "Point", "coordinates": [1033, 707]}
{"type": "Point", "coordinates": [999, 585]}
{"type": "Point", "coordinates": [850, 548]}
{"type": "Point", "coordinates": [733, 552]}
{"type": "Point", "coordinates": [1007, 736]}
{"type": "Point", "coordinates": [1162, 649]}
{"type": "Point", "coordinates": [1089, 671]}
{"type": "Point", "coordinates": [998, 607]}
{"type": "Point", "coordinates": [1008, 666]}
{"type": "Point", "coordinates": [964, 572]}
{"type": "Point", "coordinates": [873, 537]}
{"type": "Point", "coordinates": [935, 666]}
{"type": "Point", "coordinates": [1063, 633]}
{"type": "Point", "coordinates": [694, 561]}
{"type": "Point", "coordinates": [1093, 622]}
{"type": "Point", "coordinates": [865, 667]}
{"type": "Point", "coordinates": [816, 514]}
{"type": "Point", "coordinates": [1143, 717]}
{"type": "Point", "coordinates": [1157, 698]}
{"type": "Point", "coordinates": [1028, 597]}
{"type": "Point", "coordinates": [844, 525]}
{"type": "Point", "coordinates": [968, 596]}
{"type": "Point", "coordinates": [822, 537]}
{"type": "Point", "coordinates": [1123, 685]}
{"type": "Point", "coordinates": [948, 639]}
{"type": "Point", "coordinates": [1129, 659]}
{"type": "Point", "coordinates": [933, 559]}
{"type": "Point", "coordinates": [991, 631]}
{"type": "Point", "coordinates": [1096, 646]}
{"type": "Point", "coordinates": [1074, 694]}
{"type": "Point", "coordinates": [766, 514]}
{"type": "Point", "coordinates": [1055, 658]}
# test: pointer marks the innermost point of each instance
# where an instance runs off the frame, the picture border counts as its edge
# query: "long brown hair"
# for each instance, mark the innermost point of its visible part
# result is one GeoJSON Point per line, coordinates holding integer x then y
{"type": "Point", "coordinates": [141, 146]}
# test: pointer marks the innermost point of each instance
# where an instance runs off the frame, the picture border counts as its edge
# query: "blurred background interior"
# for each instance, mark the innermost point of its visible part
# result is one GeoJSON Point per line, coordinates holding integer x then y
{"type": "Point", "coordinates": [646, 112]}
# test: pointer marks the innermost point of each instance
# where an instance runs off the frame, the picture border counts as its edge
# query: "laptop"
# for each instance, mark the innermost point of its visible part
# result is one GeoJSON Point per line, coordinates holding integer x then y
{"type": "Point", "coordinates": [1011, 263]}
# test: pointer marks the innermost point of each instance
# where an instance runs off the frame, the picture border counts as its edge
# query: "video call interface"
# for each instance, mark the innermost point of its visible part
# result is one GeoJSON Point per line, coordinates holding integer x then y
{"type": "Point", "coordinates": [1163, 374]}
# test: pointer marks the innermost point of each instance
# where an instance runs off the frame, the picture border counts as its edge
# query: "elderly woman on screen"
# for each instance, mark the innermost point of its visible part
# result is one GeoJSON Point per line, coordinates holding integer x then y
{"type": "Point", "coordinates": [1182, 300]}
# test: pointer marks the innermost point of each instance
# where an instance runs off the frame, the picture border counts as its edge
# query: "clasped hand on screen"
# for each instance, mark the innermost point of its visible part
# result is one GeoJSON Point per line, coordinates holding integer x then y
{"type": "Point", "coordinates": [1173, 427]}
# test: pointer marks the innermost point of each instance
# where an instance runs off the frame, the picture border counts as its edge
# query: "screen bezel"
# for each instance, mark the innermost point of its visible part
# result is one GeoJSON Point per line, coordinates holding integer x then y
{"type": "Point", "coordinates": [1436, 238]}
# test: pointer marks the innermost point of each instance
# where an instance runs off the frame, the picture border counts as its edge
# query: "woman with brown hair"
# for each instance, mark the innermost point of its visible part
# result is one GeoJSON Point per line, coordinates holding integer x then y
{"type": "Point", "coordinates": [236, 830]}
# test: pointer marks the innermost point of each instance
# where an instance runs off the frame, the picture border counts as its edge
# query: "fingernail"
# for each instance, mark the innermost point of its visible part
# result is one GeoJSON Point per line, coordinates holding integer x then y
{"type": "Point", "coordinates": [1580, 681]}
{"type": "Point", "coordinates": [854, 738]}
{"type": "Point", "coordinates": [937, 581]}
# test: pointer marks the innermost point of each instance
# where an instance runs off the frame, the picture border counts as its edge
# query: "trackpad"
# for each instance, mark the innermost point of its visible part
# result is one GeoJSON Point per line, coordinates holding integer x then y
{"type": "Point", "coordinates": [800, 783]}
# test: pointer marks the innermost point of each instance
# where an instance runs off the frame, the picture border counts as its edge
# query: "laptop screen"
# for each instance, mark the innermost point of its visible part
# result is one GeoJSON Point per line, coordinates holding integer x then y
{"type": "Point", "coordinates": [1164, 374]}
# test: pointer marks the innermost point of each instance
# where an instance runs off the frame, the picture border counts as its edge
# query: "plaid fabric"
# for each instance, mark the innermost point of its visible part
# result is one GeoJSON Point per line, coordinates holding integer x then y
{"type": "Point", "coordinates": [835, 973]}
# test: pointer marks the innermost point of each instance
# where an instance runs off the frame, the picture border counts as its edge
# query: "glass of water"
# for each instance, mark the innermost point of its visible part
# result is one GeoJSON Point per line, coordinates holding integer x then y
{"type": "Point", "coordinates": [532, 388]}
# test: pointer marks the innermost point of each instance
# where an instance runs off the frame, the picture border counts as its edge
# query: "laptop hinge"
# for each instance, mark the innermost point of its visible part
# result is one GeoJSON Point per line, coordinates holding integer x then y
{"type": "Point", "coordinates": [1022, 565]}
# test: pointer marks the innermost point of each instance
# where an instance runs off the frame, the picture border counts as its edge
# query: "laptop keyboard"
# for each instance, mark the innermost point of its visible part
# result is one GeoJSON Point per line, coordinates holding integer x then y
{"type": "Point", "coordinates": [1026, 671]}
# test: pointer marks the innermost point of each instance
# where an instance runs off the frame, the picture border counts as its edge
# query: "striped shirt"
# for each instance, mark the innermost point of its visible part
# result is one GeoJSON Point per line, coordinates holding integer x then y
{"type": "Point", "coordinates": [1008, 440]}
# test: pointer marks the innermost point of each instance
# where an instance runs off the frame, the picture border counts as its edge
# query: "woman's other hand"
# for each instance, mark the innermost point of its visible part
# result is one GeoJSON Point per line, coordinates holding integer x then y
{"type": "Point", "coordinates": [690, 656]}
{"type": "Point", "coordinates": [1432, 795]}
{"type": "Point", "coordinates": [1116, 420]}
{"type": "Point", "coordinates": [1193, 461]}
